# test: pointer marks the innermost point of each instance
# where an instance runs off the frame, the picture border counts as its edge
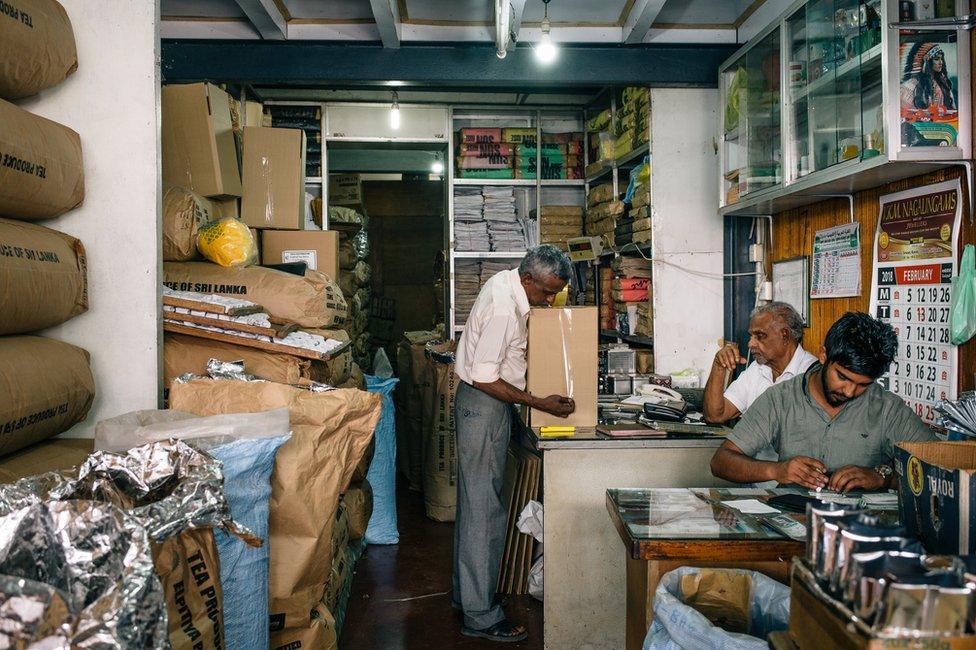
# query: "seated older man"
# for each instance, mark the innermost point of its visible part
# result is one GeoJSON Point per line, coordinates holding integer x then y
{"type": "Point", "coordinates": [834, 426]}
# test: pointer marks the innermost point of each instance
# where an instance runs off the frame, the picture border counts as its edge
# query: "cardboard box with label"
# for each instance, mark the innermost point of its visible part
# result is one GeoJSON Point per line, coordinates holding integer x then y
{"type": "Point", "coordinates": [562, 360]}
{"type": "Point", "coordinates": [937, 494]}
{"type": "Point", "coordinates": [319, 249]}
{"type": "Point", "coordinates": [274, 178]}
{"type": "Point", "coordinates": [345, 189]}
{"type": "Point", "coordinates": [199, 152]}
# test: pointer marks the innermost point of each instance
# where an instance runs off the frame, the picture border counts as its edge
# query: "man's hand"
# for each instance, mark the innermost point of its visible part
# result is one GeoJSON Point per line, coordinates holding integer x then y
{"type": "Point", "coordinates": [852, 477]}
{"type": "Point", "coordinates": [728, 357]}
{"type": "Point", "coordinates": [802, 470]}
{"type": "Point", "coordinates": [557, 405]}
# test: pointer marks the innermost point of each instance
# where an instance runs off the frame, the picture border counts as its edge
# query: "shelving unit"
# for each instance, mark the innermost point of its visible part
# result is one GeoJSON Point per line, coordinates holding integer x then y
{"type": "Point", "coordinates": [531, 194]}
{"type": "Point", "coordinates": [842, 70]}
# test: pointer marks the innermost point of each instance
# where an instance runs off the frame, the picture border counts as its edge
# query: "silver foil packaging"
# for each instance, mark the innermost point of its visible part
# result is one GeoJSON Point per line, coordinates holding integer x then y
{"type": "Point", "coordinates": [78, 574]}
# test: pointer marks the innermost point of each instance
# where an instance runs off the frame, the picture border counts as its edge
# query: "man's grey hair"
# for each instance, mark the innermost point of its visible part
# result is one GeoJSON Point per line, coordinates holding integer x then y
{"type": "Point", "coordinates": [546, 260]}
{"type": "Point", "coordinates": [790, 318]}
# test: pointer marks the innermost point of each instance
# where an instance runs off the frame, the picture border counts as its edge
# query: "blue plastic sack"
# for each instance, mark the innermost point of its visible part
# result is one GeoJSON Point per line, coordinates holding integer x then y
{"type": "Point", "coordinates": [244, 570]}
{"type": "Point", "coordinates": [382, 527]}
{"type": "Point", "coordinates": [677, 626]}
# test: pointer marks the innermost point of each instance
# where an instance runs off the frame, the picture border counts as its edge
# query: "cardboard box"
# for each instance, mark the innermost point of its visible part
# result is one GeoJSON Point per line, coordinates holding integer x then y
{"type": "Point", "coordinates": [562, 360]}
{"type": "Point", "coordinates": [198, 140]}
{"type": "Point", "coordinates": [937, 494]}
{"type": "Point", "coordinates": [345, 189]}
{"type": "Point", "coordinates": [319, 249]}
{"type": "Point", "coordinates": [274, 178]}
{"type": "Point", "coordinates": [253, 113]}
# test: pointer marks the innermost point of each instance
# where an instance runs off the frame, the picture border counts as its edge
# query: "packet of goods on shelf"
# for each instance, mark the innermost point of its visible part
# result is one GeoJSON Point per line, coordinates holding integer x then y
{"type": "Point", "coordinates": [599, 194]}
{"type": "Point", "coordinates": [631, 284]}
{"type": "Point", "coordinates": [641, 197]}
{"type": "Point", "coordinates": [562, 211]}
{"type": "Point", "coordinates": [37, 48]}
{"type": "Point", "coordinates": [563, 138]}
{"type": "Point", "coordinates": [43, 278]}
{"type": "Point", "coordinates": [484, 162]}
{"type": "Point", "coordinates": [636, 93]}
{"type": "Point", "coordinates": [548, 149]}
{"type": "Point", "coordinates": [42, 175]}
{"type": "Point", "coordinates": [602, 146]}
{"type": "Point", "coordinates": [631, 267]}
{"type": "Point", "coordinates": [482, 149]}
{"type": "Point", "coordinates": [599, 121]}
{"type": "Point", "coordinates": [519, 135]}
{"type": "Point", "coordinates": [487, 174]}
{"type": "Point", "coordinates": [475, 136]}
{"type": "Point", "coordinates": [548, 159]}
{"type": "Point", "coordinates": [641, 236]}
{"type": "Point", "coordinates": [556, 224]}
{"type": "Point", "coordinates": [603, 210]}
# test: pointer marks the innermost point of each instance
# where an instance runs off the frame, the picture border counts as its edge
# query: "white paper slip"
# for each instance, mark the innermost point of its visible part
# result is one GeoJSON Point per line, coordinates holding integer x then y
{"type": "Point", "coordinates": [751, 506]}
{"type": "Point", "coordinates": [880, 499]}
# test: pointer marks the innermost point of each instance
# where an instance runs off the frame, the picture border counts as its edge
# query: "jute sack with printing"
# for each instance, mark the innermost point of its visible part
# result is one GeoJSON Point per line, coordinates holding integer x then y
{"type": "Point", "coordinates": [46, 387]}
{"type": "Point", "coordinates": [312, 300]}
{"type": "Point", "coordinates": [43, 277]}
{"type": "Point", "coordinates": [37, 47]}
{"type": "Point", "coordinates": [189, 570]}
{"type": "Point", "coordinates": [184, 212]}
{"type": "Point", "coordinates": [414, 389]}
{"type": "Point", "coordinates": [41, 170]}
{"type": "Point", "coordinates": [439, 441]}
{"type": "Point", "coordinates": [330, 432]}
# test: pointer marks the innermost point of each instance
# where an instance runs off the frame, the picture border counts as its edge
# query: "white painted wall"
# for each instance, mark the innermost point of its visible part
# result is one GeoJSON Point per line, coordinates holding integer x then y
{"type": "Point", "coordinates": [687, 235]}
{"type": "Point", "coordinates": [112, 101]}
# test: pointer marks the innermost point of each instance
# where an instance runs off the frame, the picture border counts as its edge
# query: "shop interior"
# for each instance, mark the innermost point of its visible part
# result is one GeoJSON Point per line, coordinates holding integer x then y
{"type": "Point", "coordinates": [265, 264]}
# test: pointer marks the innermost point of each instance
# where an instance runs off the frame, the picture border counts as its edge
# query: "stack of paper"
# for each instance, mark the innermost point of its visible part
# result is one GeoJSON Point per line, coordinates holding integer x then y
{"type": "Point", "coordinates": [471, 236]}
{"type": "Point", "coordinates": [468, 204]}
{"type": "Point", "coordinates": [491, 267]}
{"type": "Point", "coordinates": [504, 227]}
{"type": "Point", "coordinates": [467, 284]}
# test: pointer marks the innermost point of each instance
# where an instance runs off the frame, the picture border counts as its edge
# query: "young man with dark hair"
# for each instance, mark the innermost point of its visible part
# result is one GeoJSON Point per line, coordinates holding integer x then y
{"type": "Point", "coordinates": [833, 427]}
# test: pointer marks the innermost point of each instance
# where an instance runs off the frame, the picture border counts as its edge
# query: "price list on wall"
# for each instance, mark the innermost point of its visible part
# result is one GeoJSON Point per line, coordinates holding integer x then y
{"type": "Point", "coordinates": [914, 261]}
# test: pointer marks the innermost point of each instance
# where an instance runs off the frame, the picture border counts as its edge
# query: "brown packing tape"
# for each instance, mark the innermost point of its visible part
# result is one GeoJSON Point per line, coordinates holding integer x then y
{"type": "Point", "coordinates": [189, 570]}
{"type": "Point", "coordinates": [43, 277]}
{"type": "Point", "coordinates": [330, 432]}
{"type": "Point", "coordinates": [37, 47]}
{"type": "Point", "coordinates": [184, 211]}
{"type": "Point", "coordinates": [42, 174]}
{"type": "Point", "coordinates": [310, 301]}
{"type": "Point", "coordinates": [46, 387]}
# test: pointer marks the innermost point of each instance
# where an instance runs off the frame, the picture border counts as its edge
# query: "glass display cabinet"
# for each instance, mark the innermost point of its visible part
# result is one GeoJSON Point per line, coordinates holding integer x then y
{"type": "Point", "coordinates": [862, 102]}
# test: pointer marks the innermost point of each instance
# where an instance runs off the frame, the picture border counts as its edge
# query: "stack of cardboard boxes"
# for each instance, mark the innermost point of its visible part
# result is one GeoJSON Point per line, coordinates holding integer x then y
{"type": "Point", "coordinates": [602, 211]}
{"type": "Point", "coordinates": [608, 315]}
{"type": "Point", "coordinates": [631, 295]}
{"type": "Point", "coordinates": [46, 386]}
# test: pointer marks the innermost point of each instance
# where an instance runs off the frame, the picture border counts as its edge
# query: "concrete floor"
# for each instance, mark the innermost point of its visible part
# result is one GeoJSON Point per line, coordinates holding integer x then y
{"type": "Point", "coordinates": [384, 609]}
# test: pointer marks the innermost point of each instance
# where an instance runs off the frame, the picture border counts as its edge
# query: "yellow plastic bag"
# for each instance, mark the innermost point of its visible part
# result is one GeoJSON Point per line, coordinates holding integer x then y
{"type": "Point", "coordinates": [227, 242]}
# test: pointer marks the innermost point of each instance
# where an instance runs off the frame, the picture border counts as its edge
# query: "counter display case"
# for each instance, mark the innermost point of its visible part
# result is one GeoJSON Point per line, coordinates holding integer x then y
{"type": "Point", "coordinates": [863, 103]}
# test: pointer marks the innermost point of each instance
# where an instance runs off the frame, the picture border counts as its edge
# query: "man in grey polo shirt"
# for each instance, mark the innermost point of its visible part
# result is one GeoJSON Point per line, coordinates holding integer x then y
{"type": "Point", "coordinates": [833, 427]}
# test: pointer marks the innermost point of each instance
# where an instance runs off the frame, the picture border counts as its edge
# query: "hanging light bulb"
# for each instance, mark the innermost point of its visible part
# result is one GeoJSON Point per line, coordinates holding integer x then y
{"type": "Point", "coordinates": [545, 51]}
{"type": "Point", "coordinates": [437, 167]}
{"type": "Point", "coordinates": [395, 112]}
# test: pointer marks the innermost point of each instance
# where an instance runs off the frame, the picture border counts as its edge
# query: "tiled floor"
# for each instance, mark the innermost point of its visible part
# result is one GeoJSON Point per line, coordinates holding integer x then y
{"type": "Point", "coordinates": [401, 594]}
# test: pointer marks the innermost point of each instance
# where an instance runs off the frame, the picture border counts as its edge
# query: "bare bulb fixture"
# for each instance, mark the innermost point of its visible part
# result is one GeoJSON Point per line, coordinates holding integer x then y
{"type": "Point", "coordinates": [437, 167]}
{"type": "Point", "coordinates": [545, 50]}
{"type": "Point", "coordinates": [395, 112]}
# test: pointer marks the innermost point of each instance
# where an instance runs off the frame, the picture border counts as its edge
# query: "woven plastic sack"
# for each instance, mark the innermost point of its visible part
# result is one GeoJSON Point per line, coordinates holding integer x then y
{"type": "Point", "coordinates": [963, 312]}
{"type": "Point", "coordinates": [382, 528]}
{"type": "Point", "coordinates": [227, 242]}
{"type": "Point", "coordinates": [677, 626]}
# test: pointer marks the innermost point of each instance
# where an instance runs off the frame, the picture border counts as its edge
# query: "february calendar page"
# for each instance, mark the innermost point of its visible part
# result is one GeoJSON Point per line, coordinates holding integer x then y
{"type": "Point", "coordinates": [914, 261]}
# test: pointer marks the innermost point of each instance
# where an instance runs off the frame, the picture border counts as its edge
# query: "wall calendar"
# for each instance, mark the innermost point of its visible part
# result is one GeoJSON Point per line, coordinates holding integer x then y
{"type": "Point", "coordinates": [914, 260]}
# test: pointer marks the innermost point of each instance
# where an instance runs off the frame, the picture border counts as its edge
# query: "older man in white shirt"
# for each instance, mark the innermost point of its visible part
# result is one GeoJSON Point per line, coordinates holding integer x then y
{"type": "Point", "coordinates": [775, 344]}
{"type": "Point", "coordinates": [491, 365]}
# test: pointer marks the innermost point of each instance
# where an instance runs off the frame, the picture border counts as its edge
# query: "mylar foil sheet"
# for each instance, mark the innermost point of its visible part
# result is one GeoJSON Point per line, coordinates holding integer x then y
{"type": "Point", "coordinates": [78, 574]}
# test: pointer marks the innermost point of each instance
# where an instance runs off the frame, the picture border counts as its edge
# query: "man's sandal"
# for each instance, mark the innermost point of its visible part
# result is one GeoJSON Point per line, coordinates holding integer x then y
{"type": "Point", "coordinates": [504, 631]}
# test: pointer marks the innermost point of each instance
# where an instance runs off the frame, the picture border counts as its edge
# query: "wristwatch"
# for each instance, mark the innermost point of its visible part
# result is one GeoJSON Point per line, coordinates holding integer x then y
{"type": "Point", "coordinates": [884, 470]}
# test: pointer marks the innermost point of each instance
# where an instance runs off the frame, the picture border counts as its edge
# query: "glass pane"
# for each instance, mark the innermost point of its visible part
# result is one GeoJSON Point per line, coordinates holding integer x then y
{"type": "Point", "coordinates": [752, 140]}
{"type": "Point", "coordinates": [929, 88]}
{"type": "Point", "coordinates": [798, 104]}
{"type": "Point", "coordinates": [872, 101]}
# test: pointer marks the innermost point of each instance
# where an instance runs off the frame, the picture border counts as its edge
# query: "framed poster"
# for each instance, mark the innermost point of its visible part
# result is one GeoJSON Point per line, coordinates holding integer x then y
{"type": "Point", "coordinates": [791, 279]}
{"type": "Point", "coordinates": [837, 262]}
{"type": "Point", "coordinates": [928, 89]}
{"type": "Point", "coordinates": [915, 249]}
